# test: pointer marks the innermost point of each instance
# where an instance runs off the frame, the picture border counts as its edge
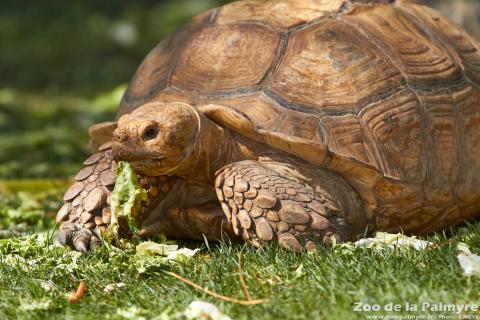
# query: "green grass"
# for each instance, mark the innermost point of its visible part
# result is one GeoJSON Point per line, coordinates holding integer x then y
{"type": "Point", "coordinates": [323, 285]}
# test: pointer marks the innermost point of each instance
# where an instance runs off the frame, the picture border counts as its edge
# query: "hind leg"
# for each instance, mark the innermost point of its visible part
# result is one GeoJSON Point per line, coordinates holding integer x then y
{"type": "Point", "coordinates": [273, 201]}
{"type": "Point", "coordinates": [205, 220]}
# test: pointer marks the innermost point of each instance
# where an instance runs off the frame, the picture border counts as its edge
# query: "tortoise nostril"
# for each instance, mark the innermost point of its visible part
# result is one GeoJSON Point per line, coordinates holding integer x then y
{"type": "Point", "coordinates": [120, 137]}
{"type": "Point", "coordinates": [150, 133]}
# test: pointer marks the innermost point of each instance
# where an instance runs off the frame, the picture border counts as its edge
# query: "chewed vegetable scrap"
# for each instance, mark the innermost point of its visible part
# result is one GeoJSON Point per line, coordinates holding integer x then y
{"type": "Point", "coordinates": [469, 261]}
{"type": "Point", "coordinates": [383, 240]}
{"type": "Point", "coordinates": [126, 199]}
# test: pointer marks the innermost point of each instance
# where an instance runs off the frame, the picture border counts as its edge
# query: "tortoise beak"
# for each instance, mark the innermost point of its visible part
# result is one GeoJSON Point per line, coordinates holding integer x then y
{"type": "Point", "coordinates": [124, 146]}
{"type": "Point", "coordinates": [121, 151]}
{"type": "Point", "coordinates": [125, 149]}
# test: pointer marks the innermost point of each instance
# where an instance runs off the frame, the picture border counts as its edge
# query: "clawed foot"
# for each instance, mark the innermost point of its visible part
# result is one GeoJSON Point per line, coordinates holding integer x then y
{"type": "Point", "coordinates": [81, 240]}
{"type": "Point", "coordinates": [86, 213]}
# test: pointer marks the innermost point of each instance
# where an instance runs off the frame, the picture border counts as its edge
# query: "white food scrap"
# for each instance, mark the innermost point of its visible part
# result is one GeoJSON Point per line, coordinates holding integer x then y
{"type": "Point", "coordinates": [168, 251]}
{"type": "Point", "coordinates": [469, 261]}
{"type": "Point", "coordinates": [203, 310]}
{"type": "Point", "coordinates": [384, 240]}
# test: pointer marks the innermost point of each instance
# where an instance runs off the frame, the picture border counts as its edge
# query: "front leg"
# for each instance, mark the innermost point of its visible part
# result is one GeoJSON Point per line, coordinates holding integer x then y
{"type": "Point", "coordinates": [265, 203]}
{"type": "Point", "coordinates": [86, 212]}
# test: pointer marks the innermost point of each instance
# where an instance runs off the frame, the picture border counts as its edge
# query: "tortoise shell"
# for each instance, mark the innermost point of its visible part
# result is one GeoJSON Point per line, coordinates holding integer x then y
{"type": "Point", "coordinates": [384, 92]}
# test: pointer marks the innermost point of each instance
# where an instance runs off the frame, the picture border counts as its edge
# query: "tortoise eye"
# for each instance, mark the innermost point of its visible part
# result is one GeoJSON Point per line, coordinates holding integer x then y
{"type": "Point", "coordinates": [150, 133]}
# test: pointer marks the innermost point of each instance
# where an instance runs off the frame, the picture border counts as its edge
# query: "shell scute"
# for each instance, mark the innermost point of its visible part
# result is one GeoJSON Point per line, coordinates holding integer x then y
{"type": "Point", "coordinates": [328, 68]}
{"type": "Point", "coordinates": [226, 56]}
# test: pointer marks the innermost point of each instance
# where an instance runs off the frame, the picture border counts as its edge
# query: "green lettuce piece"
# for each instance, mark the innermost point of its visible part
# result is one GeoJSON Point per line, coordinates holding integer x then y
{"type": "Point", "coordinates": [126, 196]}
{"type": "Point", "coordinates": [150, 248]}
{"type": "Point", "coordinates": [150, 255]}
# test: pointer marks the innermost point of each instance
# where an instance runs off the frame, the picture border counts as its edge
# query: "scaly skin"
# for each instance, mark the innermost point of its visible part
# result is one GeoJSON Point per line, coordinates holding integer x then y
{"type": "Point", "coordinates": [85, 213]}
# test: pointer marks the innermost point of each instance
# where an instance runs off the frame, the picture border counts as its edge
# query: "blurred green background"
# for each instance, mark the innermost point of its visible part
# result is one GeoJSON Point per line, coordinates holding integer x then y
{"type": "Point", "coordinates": [64, 65]}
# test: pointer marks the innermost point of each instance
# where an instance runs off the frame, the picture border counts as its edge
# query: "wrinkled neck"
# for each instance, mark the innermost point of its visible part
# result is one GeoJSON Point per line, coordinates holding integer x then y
{"type": "Point", "coordinates": [215, 148]}
{"type": "Point", "coordinates": [206, 153]}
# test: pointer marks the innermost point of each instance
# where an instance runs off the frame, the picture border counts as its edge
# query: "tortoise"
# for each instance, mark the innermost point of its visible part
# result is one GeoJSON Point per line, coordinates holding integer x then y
{"type": "Point", "coordinates": [296, 122]}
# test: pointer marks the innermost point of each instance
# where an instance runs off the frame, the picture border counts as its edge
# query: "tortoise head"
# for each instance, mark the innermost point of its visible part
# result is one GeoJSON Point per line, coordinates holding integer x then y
{"type": "Point", "coordinates": [159, 138]}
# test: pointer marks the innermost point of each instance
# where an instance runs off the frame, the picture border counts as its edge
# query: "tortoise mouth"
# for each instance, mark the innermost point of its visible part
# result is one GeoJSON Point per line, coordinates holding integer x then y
{"type": "Point", "coordinates": [143, 162]}
{"type": "Point", "coordinates": [149, 162]}
{"type": "Point", "coordinates": [148, 166]}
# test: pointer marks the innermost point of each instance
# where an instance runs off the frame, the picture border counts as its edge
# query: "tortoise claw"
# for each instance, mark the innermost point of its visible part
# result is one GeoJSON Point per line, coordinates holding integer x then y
{"type": "Point", "coordinates": [95, 243]}
{"type": "Point", "coordinates": [67, 230]}
{"type": "Point", "coordinates": [81, 240]}
{"type": "Point", "coordinates": [82, 246]}
{"type": "Point", "coordinates": [65, 237]}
